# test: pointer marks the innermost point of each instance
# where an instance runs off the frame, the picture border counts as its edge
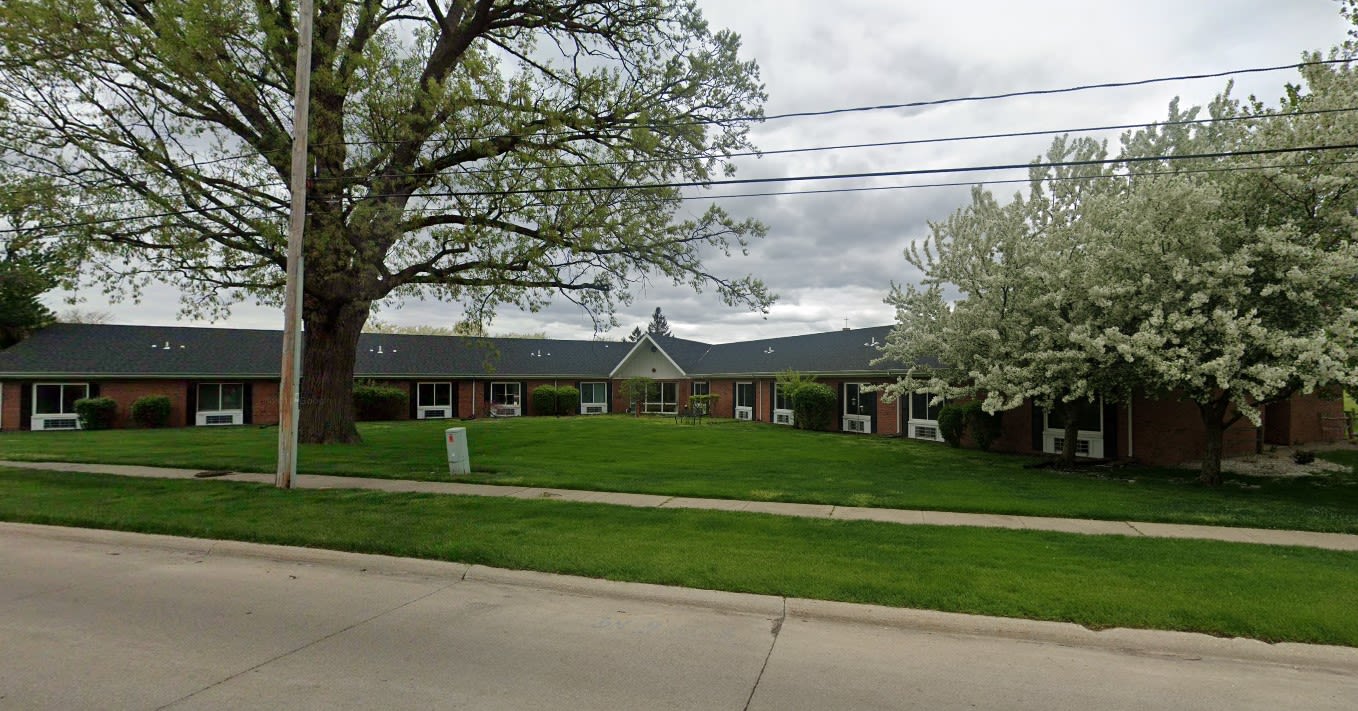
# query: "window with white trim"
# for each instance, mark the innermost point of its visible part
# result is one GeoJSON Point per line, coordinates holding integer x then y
{"type": "Point", "coordinates": [54, 405]}
{"type": "Point", "coordinates": [506, 399]}
{"type": "Point", "coordinates": [922, 417]}
{"type": "Point", "coordinates": [1089, 437]}
{"type": "Point", "coordinates": [700, 387]}
{"type": "Point", "coordinates": [220, 404]}
{"type": "Point", "coordinates": [856, 401]}
{"type": "Point", "coordinates": [433, 400]}
{"type": "Point", "coordinates": [593, 398]}
{"type": "Point", "coordinates": [594, 393]}
{"type": "Point", "coordinates": [744, 401]}
{"type": "Point", "coordinates": [782, 406]}
{"type": "Point", "coordinates": [505, 394]}
{"type": "Point", "coordinates": [58, 398]}
{"type": "Point", "coordinates": [859, 405]}
{"type": "Point", "coordinates": [663, 398]}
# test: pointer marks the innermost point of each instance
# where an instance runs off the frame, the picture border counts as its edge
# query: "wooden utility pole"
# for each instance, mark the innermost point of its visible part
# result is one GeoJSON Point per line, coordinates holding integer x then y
{"type": "Point", "coordinates": [288, 401]}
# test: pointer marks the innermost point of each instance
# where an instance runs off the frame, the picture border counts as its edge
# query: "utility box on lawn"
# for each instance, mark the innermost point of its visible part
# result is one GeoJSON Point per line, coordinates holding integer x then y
{"type": "Point", "coordinates": [458, 461]}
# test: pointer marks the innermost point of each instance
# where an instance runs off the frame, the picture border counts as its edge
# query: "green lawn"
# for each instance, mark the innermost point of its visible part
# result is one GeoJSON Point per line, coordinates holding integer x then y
{"type": "Point", "coordinates": [1264, 592]}
{"type": "Point", "coordinates": [727, 459]}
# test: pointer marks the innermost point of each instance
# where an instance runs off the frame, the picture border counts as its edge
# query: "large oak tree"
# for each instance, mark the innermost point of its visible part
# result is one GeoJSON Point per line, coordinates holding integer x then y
{"type": "Point", "coordinates": [481, 152]}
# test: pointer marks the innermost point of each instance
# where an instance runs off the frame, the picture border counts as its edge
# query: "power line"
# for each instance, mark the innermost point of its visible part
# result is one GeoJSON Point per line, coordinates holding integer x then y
{"type": "Point", "coordinates": [898, 173]}
{"type": "Point", "coordinates": [1047, 92]}
{"type": "Point", "coordinates": [879, 174]}
{"type": "Point", "coordinates": [782, 151]}
{"type": "Point", "coordinates": [863, 109]}
{"type": "Point", "coordinates": [850, 146]}
{"type": "Point", "coordinates": [903, 105]}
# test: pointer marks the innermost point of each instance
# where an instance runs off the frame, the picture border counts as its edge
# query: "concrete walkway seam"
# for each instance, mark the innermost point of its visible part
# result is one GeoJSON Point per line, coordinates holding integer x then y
{"type": "Point", "coordinates": [1188, 645]}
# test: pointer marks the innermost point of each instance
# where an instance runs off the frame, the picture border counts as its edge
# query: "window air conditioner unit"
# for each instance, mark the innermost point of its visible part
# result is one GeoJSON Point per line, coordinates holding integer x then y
{"type": "Point", "coordinates": [593, 409]}
{"type": "Point", "coordinates": [55, 422]}
{"type": "Point", "coordinates": [1081, 446]}
{"type": "Point", "coordinates": [207, 419]}
{"type": "Point", "coordinates": [782, 418]}
{"type": "Point", "coordinates": [856, 423]}
{"type": "Point", "coordinates": [432, 413]}
{"type": "Point", "coordinates": [926, 432]}
{"type": "Point", "coordinates": [744, 413]}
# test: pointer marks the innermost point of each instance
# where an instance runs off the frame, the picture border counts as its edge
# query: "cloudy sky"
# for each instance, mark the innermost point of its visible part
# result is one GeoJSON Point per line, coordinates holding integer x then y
{"type": "Point", "coordinates": [832, 257]}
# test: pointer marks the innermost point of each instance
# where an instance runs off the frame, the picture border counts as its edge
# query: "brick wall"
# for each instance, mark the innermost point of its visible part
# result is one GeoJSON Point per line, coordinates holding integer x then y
{"type": "Point", "coordinates": [11, 416]}
{"type": "Point", "coordinates": [264, 402]}
{"type": "Point", "coordinates": [1318, 417]}
{"type": "Point", "coordinates": [725, 390]}
{"type": "Point", "coordinates": [126, 392]}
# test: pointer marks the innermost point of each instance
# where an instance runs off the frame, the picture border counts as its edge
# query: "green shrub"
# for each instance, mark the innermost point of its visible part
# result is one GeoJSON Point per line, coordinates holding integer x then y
{"type": "Point", "coordinates": [814, 405]}
{"type": "Point", "coordinates": [568, 399]}
{"type": "Point", "coordinates": [984, 426]}
{"type": "Point", "coordinates": [707, 403]}
{"type": "Point", "coordinates": [952, 423]}
{"type": "Point", "coordinates": [96, 413]}
{"type": "Point", "coordinates": [377, 402]}
{"type": "Point", "coordinates": [151, 411]}
{"type": "Point", "coordinates": [550, 400]}
{"type": "Point", "coordinates": [635, 390]}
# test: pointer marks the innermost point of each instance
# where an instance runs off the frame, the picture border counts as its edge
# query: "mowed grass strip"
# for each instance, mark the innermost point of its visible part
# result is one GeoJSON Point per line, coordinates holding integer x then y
{"type": "Point", "coordinates": [1267, 593]}
{"type": "Point", "coordinates": [736, 460]}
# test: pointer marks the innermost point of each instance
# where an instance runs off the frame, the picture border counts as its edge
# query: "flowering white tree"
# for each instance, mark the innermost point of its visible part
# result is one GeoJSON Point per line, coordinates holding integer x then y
{"type": "Point", "coordinates": [1228, 281]}
{"type": "Point", "coordinates": [1012, 337]}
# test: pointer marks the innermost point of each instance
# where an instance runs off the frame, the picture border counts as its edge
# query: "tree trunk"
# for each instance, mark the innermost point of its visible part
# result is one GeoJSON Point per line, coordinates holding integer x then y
{"type": "Point", "coordinates": [1073, 411]}
{"type": "Point", "coordinates": [1214, 431]}
{"type": "Point", "coordinates": [329, 349]}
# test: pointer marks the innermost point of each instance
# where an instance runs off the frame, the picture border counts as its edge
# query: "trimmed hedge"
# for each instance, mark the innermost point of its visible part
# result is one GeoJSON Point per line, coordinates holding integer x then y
{"type": "Point", "coordinates": [814, 405]}
{"type": "Point", "coordinates": [550, 400]}
{"type": "Point", "coordinates": [984, 426]}
{"type": "Point", "coordinates": [96, 413]}
{"type": "Point", "coordinates": [151, 411]}
{"type": "Point", "coordinates": [376, 402]}
{"type": "Point", "coordinates": [952, 423]}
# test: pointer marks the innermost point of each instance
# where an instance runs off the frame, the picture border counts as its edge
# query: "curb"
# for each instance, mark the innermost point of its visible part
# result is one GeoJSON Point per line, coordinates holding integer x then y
{"type": "Point", "coordinates": [1160, 643]}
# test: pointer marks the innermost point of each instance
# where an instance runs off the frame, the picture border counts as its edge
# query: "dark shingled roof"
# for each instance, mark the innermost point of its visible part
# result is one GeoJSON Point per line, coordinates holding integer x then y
{"type": "Point", "coordinates": [849, 351]}
{"type": "Point", "coordinates": [178, 351]}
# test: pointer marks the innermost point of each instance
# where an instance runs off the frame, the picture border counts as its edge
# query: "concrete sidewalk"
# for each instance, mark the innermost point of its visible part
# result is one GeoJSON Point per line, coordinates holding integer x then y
{"type": "Point", "coordinates": [114, 620]}
{"type": "Point", "coordinates": [1308, 539]}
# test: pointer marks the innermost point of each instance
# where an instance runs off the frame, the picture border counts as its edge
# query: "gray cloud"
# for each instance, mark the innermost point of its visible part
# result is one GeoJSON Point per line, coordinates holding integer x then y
{"type": "Point", "coordinates": [832, 257]}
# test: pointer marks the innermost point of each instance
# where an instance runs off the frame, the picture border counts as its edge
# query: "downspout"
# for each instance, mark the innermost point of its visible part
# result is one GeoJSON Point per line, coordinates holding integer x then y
{"type": "Point", "coordinates": [473, 398]}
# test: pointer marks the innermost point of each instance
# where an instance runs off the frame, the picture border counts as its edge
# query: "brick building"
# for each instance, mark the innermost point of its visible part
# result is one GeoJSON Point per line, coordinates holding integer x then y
{"type": "Point", "coordinates": [216, 376]}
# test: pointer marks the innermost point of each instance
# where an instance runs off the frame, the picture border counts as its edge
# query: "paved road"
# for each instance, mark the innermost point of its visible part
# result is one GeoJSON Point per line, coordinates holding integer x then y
{"type": "Point", "coordinates": [99, 620]}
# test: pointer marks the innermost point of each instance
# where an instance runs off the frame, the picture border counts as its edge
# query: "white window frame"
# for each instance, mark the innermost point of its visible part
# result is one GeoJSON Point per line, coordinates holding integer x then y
{"type": "Point", "coordinates": [662, 406]}
{"type": "Point", "coordinates": [56, 420]}
{"type": "Point", "coordinates": [219, 415]}
{"type": "Point", "coordinates": [434, 410]}
{"type": "Point", "coordinates": [782, 415]}
{"type": "Point", "coordinates": [700, 387]}
{"type": "Point", "coordinates": [917, 427]}
{"type": "Point", "coordinates": [855, 421]}
{"type": "Point", "coordinates": [745, 412]}
{"type": "Point", "coordinates": [594, 407]}
{"type": "Point", "coordinates": [511, 406]}
{"type": "Point", "coordinates": [1088, 443]}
